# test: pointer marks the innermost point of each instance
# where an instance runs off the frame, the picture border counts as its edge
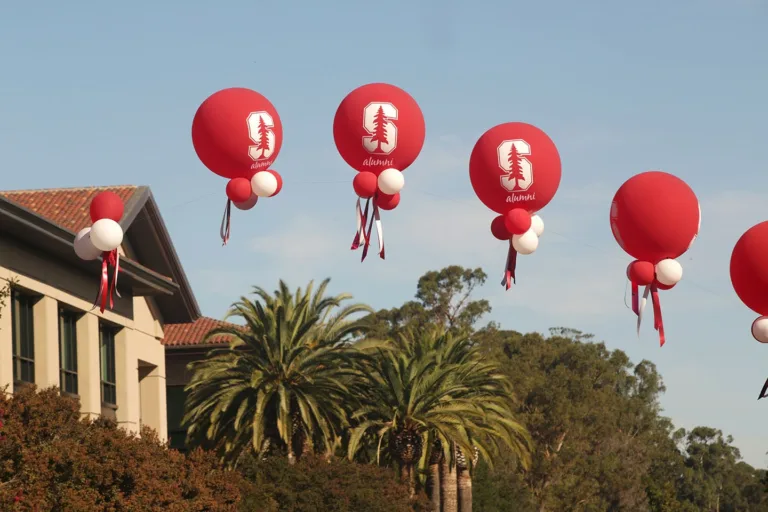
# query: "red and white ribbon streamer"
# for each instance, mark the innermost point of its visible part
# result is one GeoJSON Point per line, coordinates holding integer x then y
{"type": "Point", "coordinates": [509, 269]}
{"type": "Point", "coordinates": [363, 235]}
{"type": "Point", "coordinates": [361, 218]}
{"type": "Point", "coordinates": [638, 305]}
{"type": "Point", "coordinates": [107, 286]}
{"type": "Point", "coordinates": [224, 230]}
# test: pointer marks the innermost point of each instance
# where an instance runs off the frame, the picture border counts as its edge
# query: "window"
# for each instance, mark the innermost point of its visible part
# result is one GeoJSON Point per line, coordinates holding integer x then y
{"type": "Point", "coordinates": [107, 346]}
{"type": "Point", "coordinates": [177, 435]}
{"type": "Point", "coordinates": [23, 338]}
{"type": "Point", "coordinates": [68, 350]}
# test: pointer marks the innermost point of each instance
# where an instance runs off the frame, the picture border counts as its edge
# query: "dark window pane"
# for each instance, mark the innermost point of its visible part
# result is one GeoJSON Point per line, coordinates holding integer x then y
{"type": "Point", "coordinates": [175, 397]}
{"type": "Point", "coordinates": [107, 349]}
{"type": "Point", "coordinates": [68, 350]}
{"type": "Point", "coordinates": [23, 336]}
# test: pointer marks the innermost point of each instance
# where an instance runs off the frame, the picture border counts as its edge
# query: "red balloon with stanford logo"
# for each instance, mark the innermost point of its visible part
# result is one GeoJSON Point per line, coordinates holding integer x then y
{"type": "Point", "coordinates": [379, 126]}
{"type": "Point", "coordinates": [237, 131]}
{"type": "Point", "coordinates": [515, 165]}
{"type": "Point", "coordinates": [515, 170]}
{"type": "Point", "coordinates": [237, 134]}
{"type": "Point", "coordinates": [379, 131]}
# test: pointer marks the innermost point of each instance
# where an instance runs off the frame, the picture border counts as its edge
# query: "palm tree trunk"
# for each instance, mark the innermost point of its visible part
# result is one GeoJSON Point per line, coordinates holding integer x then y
{"type": "Point", "coordinates": [291, 457]}
{"type": "Point", "coordinates": [433, 486]}
{"type": "Point", "coordinates": [465, 490]}
{"type": "Point", "coordinates": [448, 487]}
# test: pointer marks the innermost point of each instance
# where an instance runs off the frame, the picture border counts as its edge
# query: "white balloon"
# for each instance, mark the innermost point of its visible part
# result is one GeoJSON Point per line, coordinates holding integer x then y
{"type": "Point", "coordinates": [526, 243]}
{"type": "Point", "coordinates": [669, 272]}
{"type": "Point", "coordinates": [760, 329]}
{"type": "Point", "coordinates": [537, 225]}
{"type": "Point", "coordinates": [84, 247]}
{"type": "Point", "coordinates": [247, 205]}
{"type": "Point", "coordinates": [106, 234]}
{"type": "Point", "coordinates": [391, 181]}
{"type": "Point", "coordinates": [263, 184]}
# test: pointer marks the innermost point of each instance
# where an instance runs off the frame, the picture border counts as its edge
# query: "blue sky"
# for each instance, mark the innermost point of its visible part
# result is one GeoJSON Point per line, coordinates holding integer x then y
{"type": "Point", "coordinates": [98, 94]}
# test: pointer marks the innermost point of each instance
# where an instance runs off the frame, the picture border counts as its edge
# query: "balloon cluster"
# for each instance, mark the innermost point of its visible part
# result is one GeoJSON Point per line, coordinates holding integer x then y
{"type": "Point", "coordinates": [237, 134]}
{"type": "Point", "coordinates": [103, 239]}
{"type": "Point", "coordinates": [379, 131]}
{"type": "Point", "coordinates": [749, 276]}
{"type": "Point", "coordinates": [655, 218]}
{"type": "Point", "coordinates": [515, 171]}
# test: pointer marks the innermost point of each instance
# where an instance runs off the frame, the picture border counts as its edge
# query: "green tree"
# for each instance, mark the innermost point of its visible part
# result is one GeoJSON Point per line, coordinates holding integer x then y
{"type": "Point", "coordinates": [443, 299]}
{"type": "Point", "coordinates": [282, 382]}
{"type": "Point", "coordinates": [432, 390]}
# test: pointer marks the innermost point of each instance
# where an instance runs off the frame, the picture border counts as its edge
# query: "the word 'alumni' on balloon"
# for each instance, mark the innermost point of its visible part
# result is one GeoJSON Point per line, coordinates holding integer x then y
{"type": "Point", "coordinates": [515, 171]}
{"type": "Point", "coordinates": [379, 131]}
{"type": "Point", "coordinates": [237, 134]}
{"type": "Point", "coordinates": [655, 217]}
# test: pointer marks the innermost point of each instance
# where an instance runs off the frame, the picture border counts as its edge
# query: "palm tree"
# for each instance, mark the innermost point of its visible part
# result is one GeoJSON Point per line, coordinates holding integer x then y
{"type": "Point", "coordinates": [498, 423]}
{"type": "Point", "coordinates": [283, 381]}
{"type": "Point", "coordinates": [432, 390]}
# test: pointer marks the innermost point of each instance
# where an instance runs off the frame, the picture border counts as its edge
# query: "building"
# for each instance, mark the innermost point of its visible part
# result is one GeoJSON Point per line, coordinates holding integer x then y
{"type": "Point", "coordinates": [129, 363]}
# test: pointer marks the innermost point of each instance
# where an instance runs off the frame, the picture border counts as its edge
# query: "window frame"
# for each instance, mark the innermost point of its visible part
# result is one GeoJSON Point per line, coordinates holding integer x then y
{"type": "Point", "coordinates": [23, 322]}
{"type": "Point", "coordinates": [67, 375]}
{"type": "Point", "coordinates": [107, 376]}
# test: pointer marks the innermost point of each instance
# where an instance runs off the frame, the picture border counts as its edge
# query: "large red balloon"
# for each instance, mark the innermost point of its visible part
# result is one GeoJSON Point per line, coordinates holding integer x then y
{"type": "Point", "coordinates": [378, 126]}
{"type": "Point", "coordinates": [106, 205]}
{"type": "Point", "coordinates": [236, 131]}
{"type": "Point", "coordinates": [654, 216]}
{"type": "Point", "coordinates": [749, 268]}
{"type": "Point", "coordinates": [515, 165]}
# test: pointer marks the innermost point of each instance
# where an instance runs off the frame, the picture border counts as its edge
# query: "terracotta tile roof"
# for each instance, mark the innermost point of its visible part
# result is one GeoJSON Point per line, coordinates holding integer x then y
{"type": "Point", "coordinates": [193, 334]}
{"type": "Point", "coordinates": [66, 207]}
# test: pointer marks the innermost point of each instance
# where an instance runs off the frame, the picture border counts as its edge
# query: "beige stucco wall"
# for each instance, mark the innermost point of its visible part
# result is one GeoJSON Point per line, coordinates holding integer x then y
{"type": "Point", "coordinates": [139, 355]}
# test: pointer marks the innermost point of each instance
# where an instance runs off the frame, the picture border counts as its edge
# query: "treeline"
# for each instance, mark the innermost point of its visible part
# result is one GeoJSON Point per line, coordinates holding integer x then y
{"type": "Point", "coordinates": [319, 404]}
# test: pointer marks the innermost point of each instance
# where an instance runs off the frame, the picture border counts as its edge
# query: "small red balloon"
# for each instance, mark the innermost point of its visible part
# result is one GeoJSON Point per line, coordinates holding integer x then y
{"type": "Point", "coordinates": [499, 229]}
{"type": "Point", "coordinates": [654, 216]}
{"type": "Point", "coordinates": [238, 190]}
{"type": "Point", "coordinates": [515, 165]}
{"type": "Point", "coordinates": [235, 131]}
{"type": "Point", "coordinates": [641, 272]}
{"type": "Point", "coordinates": [517, 221]}
{"type": "Point", "coordinates": [107, 205]}
{"type": "Point", "coordinates": [749, 268]}
{"type": "Point", "coordinates": [387, 202]}
{"type": "Point", "coordinates": [378, 126]}
{"type": "Point", "coordinates": [365, 184]}
{"type": "Point", "coordinates": [279, 181]}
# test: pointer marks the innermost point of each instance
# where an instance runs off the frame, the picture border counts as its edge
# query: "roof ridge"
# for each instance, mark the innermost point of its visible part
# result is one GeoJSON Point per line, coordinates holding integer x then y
{"type": "Point", "coordinates": [65, 189]}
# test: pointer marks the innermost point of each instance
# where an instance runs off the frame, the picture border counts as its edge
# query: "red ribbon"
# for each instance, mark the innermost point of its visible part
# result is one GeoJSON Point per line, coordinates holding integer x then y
{"type": "Point", "coordinates": [107, 286]}
{"type": "Point", "coordinates": [363, 235]}
{"type": "Point", "coordinates": [637, 308]}
{"type": "Point", "coordinates": [224, 230]}
{"type": "Point", "coordinates": [509, 269]}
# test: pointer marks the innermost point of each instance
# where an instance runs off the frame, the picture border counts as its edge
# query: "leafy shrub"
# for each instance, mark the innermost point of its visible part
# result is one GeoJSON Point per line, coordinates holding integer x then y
{"type": "Point", "coordinates": [315, 484]}
{"type": "Point", "coordinates": [50, 459]}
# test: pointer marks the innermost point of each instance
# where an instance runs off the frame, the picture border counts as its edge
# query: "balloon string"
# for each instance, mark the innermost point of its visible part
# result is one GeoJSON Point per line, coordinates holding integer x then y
{"type": "Point", "coordinates": [107, 286]}
{"type": "Point", "coordinates": [658, 322]}
{"type": "Point", "coordinates": [369, 231]}
{"type": "Point", "coordinates": [379, 229]}
{"type": "Point", "coordinates": [510, 267]}
{"type": "Point", "coordinates": [361, 218]}
{"type": "Point", "coordinates": [225, 227]}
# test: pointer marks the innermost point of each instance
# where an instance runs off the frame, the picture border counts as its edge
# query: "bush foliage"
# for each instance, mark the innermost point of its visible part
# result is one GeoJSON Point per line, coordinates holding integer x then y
{"type": "Point", "coordinates": [315, 484]}
{"type": "Point", "coordinates": [50, 459]}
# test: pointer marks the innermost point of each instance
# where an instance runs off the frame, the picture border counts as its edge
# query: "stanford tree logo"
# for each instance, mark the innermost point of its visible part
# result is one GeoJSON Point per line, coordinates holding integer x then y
{"type": "Point", "coordinates": [518, 170]}
{"type": "Point", "coordinates": [381, 138]}
{"type": "Point", "coordinates": [260, 125]}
